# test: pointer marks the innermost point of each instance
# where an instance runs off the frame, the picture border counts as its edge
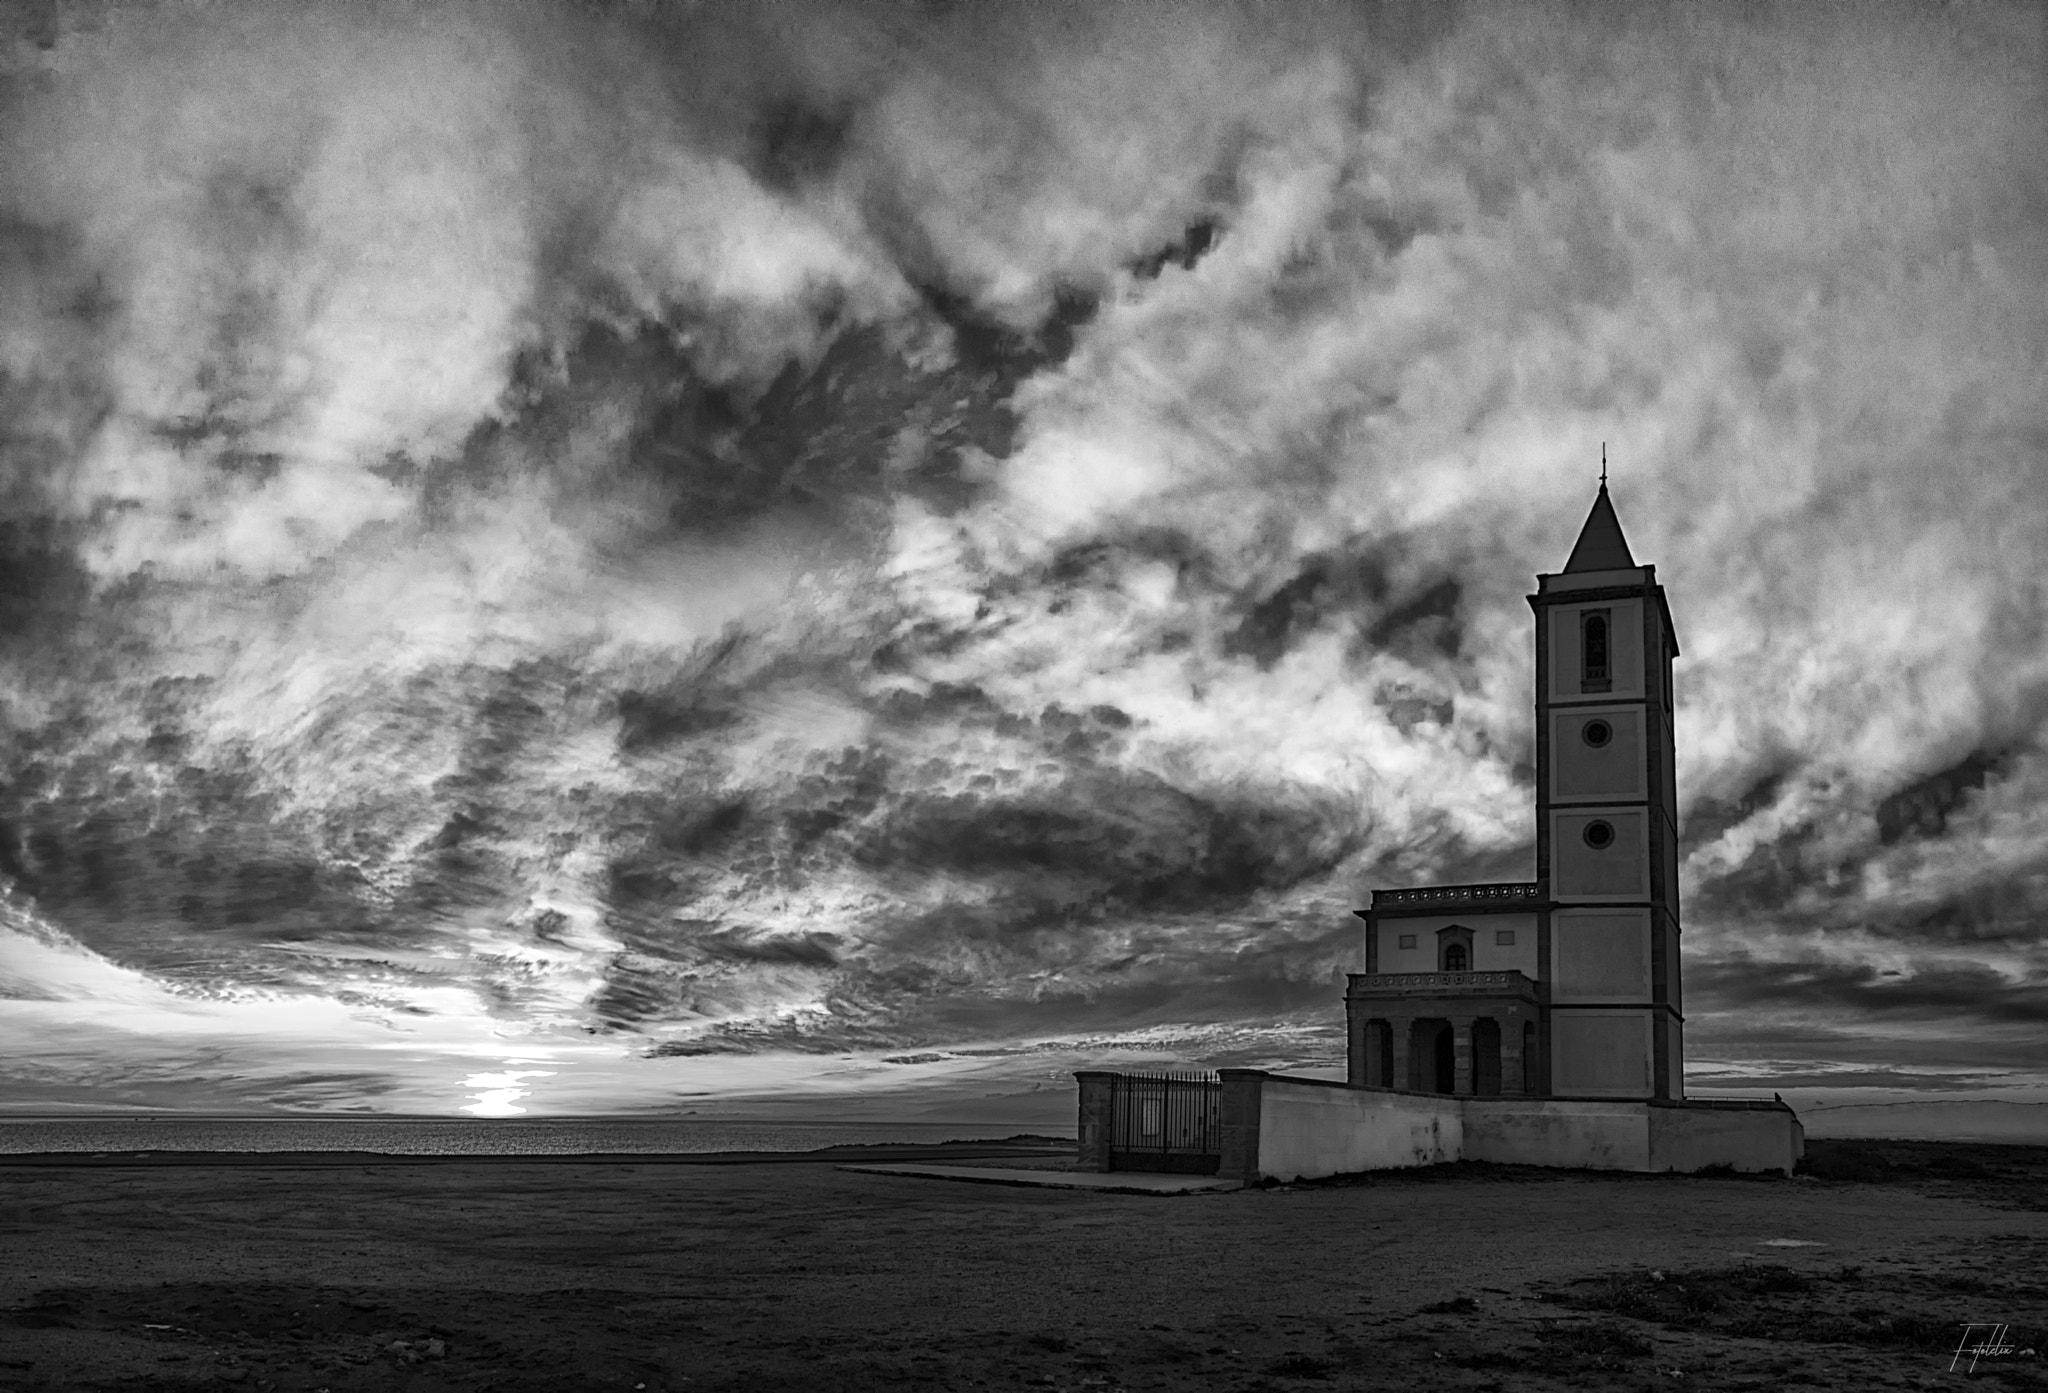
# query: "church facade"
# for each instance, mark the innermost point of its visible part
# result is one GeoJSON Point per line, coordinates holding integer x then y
{"type": "Point", "coordinates": [1536, 1022]}
{"type": "Point", "coordinates": [1567, 985]}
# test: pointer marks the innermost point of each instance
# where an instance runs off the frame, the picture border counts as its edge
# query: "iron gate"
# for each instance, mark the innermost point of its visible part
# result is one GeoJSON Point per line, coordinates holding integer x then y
{"type": "Point", "coordinates": [1166, 1122]}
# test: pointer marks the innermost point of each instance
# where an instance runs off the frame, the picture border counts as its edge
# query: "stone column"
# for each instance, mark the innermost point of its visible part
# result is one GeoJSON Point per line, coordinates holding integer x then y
{"type": "Point", "coordinates": [1240, 1124]}
{"type": "Point", "coordinates": [1402, 1029]}
{"type": "Point", "coordinates": [1461, 1055]}
{"type": "Point", "coordinates": [1510, 1054]}
{"type": "Point", "coordinates": [1096, 1102]}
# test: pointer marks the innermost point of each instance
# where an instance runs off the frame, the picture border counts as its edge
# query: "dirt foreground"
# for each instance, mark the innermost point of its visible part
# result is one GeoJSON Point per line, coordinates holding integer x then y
{"type": "Point", "coordinates": [523, 1276]}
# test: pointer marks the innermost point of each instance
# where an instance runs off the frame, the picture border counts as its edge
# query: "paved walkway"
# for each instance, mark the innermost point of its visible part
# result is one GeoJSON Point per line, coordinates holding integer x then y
{"type": "Point", "coordinates": [1115, 1182]}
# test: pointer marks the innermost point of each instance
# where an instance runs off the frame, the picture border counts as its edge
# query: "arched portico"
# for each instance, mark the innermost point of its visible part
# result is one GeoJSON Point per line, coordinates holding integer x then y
{"type": "Point", "coordinates": [1471, 1034]}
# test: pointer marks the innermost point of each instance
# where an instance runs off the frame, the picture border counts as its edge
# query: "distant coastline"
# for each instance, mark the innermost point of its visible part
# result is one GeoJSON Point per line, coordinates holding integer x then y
{"type": "Point", "coordinates": [412, 1135]}
{"type": "Point", "coordinates": [1932, 1119]}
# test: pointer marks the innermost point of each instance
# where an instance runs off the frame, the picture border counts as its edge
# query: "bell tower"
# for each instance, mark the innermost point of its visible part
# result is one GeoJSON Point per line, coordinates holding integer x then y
{"type": "Point", "coordinates": [1606, 821]}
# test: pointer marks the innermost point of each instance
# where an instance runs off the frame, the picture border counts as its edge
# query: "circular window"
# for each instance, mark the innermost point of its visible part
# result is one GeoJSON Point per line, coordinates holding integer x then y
{"type": "Point", "coordinates": [1599, 834]}
{"type": "Point", "coordinates": [1596, 733]}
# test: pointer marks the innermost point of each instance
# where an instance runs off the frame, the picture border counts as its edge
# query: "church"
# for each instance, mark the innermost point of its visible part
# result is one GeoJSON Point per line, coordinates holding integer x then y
{"type": "Point", "coordinates": [1537, 1022]}
{"type": "Point", "coordinates": [1568, 983]}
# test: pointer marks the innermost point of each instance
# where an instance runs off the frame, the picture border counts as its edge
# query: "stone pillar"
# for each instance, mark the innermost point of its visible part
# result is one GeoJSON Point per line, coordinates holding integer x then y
{"type": "Point", "coordinates": [1511, 1054]}
{"type": "Point", "coordinates": [1096, 1102]}
{"type": "Point", "coordinates": [1240, 1124]}
{"type": "Point", "coordinates": [1402, 1029]}
{"type": "Point", "coordinates": [1461, 1055]}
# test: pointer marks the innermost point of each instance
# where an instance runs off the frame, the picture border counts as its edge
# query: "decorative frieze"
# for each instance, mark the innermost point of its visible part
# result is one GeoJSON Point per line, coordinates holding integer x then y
{"type": "Point", "coordinates": [1520, 893]}
{"type": "Point", "coordinates": [1441, 984]}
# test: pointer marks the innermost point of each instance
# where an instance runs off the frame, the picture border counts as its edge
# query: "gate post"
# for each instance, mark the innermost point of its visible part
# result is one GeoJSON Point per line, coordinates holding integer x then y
{"type": "Point", "coordinates": [1096, 1107]}
{"type": "Point", "coordinates": [1240, 1123]}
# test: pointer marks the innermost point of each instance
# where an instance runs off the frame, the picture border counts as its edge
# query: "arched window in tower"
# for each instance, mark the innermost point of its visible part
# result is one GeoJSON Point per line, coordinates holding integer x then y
{"type": "Point", "coordinates": [1594, 674]}
{"type": "Point", "coordinates": [1454, 958]}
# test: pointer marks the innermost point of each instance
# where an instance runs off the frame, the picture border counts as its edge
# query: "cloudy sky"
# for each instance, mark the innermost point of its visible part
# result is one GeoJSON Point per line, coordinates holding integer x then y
{"type": "Point", "coordinates": [604, 555]}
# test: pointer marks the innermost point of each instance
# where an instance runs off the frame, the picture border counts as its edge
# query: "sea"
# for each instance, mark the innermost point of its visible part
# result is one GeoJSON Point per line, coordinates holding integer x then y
{"type": "Point", "coordinates": [435, 1136]}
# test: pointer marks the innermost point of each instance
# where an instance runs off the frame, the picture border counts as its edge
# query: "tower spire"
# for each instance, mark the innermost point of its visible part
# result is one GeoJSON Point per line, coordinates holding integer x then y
{"type": "Point", "coordinates": [1601, 547]}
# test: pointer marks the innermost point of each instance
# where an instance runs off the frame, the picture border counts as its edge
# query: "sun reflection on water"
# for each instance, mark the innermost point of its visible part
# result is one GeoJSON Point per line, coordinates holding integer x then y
{"type": "Point", "coordinates": [500, 1092]}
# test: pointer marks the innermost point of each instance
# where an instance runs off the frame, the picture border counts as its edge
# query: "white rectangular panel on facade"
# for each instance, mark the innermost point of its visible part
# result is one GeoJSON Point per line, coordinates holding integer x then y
{"type": "Point", "coordinates": [1587, 862]}
{"type": "Point", "coordinates": [1600, 955]}
{"type": "Point", "coordinates": [1587, 761]}
{"type": "Point", "coordinates": [1601, 1053]}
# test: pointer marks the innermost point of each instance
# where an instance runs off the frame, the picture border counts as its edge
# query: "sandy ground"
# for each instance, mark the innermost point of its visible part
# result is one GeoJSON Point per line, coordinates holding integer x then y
{"type": "Point", "coordinates": [520, 1276]}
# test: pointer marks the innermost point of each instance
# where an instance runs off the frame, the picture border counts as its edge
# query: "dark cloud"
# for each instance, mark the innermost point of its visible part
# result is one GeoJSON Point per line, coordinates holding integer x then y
{"type": "Point", "coordinates": [1932, 990]}
{"type": "Point", "coordinates": [1922, 808]}
{"type": "Point", "coordinates": [1919, 1081]}
{"type": "Point", "coordinates": [2005, 909]}
{"type": "Point", "coordinates": [798, 142]}
{"type": "Point", "coordinates": [1740, 1034]}
{"type": "Point", "coordinates": [1707, 818]}
{"type": "Point", "coordinates": [1192, 246]}
{"type": "Point", "coordinates": [1772, 873]}
{"type": "Point", "coordinates": [1375, 592]}
{"type": "Point", "coordinates": [1429, 618]}
{"type": "Point", "coordinates": [40, 579]}
{"type": "Point", "coordinates": [1139, 841]}
{"type": "Point", "coordinates": [328, 1092]}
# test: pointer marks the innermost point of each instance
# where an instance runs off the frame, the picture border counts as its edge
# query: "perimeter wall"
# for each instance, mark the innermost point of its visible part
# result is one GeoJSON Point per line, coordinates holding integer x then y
{"type": "Point", "coordinates": [1284, 1128]}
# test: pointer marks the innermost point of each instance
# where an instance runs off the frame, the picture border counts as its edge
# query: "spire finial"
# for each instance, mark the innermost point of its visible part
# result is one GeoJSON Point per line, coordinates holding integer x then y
{"type": "Point", "coordinates": [1603, 464]}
